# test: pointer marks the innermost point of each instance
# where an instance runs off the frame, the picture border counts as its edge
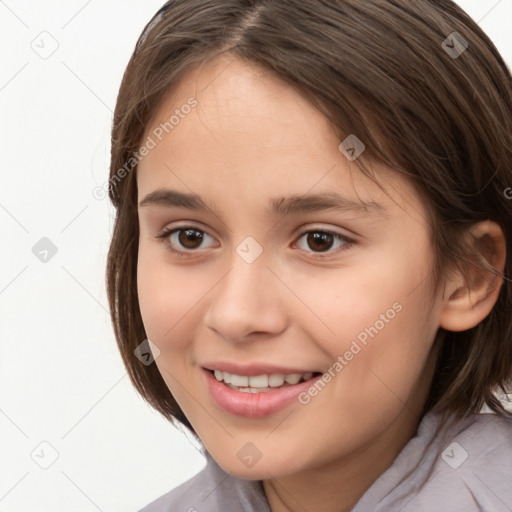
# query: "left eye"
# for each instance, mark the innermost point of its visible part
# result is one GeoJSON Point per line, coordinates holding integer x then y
{"type": "Point", "coordinates": [322, 241]}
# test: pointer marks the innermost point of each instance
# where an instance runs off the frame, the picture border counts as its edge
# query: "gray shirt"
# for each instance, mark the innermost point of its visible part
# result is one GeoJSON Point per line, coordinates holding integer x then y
{"type": "Point", "coordinates": [467, 468]}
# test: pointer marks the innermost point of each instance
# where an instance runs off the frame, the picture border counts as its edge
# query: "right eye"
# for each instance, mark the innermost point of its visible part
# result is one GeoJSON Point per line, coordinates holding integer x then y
{"type": "Point", "coordinates": [186, 237]}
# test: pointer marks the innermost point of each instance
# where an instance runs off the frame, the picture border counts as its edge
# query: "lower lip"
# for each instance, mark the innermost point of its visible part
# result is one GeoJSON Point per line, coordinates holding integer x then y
{"type": "Point", "coordinates": [254, 405]}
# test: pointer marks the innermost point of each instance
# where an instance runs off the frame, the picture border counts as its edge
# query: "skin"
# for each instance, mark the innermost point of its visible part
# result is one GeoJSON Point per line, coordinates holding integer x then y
{"type": "Point", "coordinates": [252, 138]}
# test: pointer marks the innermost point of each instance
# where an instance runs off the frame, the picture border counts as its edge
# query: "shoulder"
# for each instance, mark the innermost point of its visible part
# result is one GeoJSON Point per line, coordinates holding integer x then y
{"type": "Point", "coordinates": [480, 447]}
{"type": "Point", "coordinates": [466, 468]}
{"type": "Point", "coordinates": [477, 463]}
{"type": "Point", "coordinates": [182, 497]}
{"type": "Point", "coordinates": [472, 469]}
{"type": "Point", "coordinates": [212, 490]}
{"type": "Point", "coordinates": [486, 435]}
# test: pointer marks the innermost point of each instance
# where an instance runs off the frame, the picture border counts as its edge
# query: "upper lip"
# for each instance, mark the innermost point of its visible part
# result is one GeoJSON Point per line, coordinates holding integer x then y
{"type": "Point", "coordinates": [253, 369]}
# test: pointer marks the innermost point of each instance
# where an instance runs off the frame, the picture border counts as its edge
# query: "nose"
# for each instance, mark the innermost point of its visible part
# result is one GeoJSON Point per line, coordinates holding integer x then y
{"type": "Point", "coordinates": [247, 302]}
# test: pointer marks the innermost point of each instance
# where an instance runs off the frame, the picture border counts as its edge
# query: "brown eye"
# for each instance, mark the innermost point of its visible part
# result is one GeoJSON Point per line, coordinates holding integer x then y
{"type": "Point", "coordinates": [190, 238]}
{"type": "Point", "coordinates": [320, 241]}
{"type": "Point", "coordinates": [185, 241]}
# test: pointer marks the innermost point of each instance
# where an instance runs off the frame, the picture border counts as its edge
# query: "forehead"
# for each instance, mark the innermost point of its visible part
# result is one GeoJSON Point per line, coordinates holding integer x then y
{"type": "Point", "coordinates": [244, 106]}
{"type": "Point", "coordinates": [249, 131]}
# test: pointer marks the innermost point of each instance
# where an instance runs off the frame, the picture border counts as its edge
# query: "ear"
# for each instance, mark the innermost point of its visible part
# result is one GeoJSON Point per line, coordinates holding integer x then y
{"type": "Point", "coordinates": [466, 304]}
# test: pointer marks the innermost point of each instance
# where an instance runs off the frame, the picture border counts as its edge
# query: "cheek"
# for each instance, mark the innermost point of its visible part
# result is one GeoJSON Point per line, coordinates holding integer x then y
{"type": "Point", "coordinates": [400, 352]}
{"type": "Point", "coordinates": [391, 350]}
{"type": "Point", "coordinates": [168, 302]}
{"type": "Point", "coordinates": [167, 295]}
{"type": "Point", "coordinates": [173, 299]}
{"type": "Point", "coordinates": [379, 323]}
{"type": "Point", "coordinates": [342, 305]}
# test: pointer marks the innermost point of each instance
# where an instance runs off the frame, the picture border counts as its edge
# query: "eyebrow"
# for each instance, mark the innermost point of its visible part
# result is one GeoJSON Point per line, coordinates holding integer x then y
{"type": "Point", "coordinates": [279, 206]}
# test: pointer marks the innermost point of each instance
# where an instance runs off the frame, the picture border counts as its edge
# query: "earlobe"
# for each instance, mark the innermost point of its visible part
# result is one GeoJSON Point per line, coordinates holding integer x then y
{"type": "Point", "coordinates": [469, 299]}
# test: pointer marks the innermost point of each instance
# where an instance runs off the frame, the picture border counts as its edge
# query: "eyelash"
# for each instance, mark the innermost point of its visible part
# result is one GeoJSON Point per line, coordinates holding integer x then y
{"type": "Point", "coordinates": [347, 242]}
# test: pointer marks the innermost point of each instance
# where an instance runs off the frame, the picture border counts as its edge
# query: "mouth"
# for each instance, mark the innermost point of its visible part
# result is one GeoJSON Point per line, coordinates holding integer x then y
{"type": "Point", "coordinates": [263, 383]}
{"type": "Point", "coordinates": [256, 396]}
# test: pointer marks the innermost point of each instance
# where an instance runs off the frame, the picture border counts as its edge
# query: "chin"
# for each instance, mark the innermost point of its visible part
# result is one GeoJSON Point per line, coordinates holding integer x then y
{"type": "Point", "coordinates": [262, 469]}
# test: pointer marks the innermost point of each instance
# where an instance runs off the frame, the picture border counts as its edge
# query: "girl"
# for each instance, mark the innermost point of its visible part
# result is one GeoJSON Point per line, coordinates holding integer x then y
{"type": "Point", "coordinates": [310, 259]}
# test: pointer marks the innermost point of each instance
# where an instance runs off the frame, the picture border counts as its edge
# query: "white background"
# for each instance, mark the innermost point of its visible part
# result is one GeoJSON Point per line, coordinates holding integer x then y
{"type": "Point", "coordinates": [61, 377]}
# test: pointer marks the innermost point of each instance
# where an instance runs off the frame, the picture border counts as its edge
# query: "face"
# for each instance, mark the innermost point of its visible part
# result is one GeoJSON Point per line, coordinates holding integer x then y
{"type": "Point", "coordinates": [286, 263]}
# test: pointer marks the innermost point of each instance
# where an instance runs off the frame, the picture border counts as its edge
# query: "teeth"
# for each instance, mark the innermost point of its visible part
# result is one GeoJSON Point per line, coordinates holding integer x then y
{"type": "Point", "coordinates": [239, 380]}
{"type": "Point", "coordinates": [275, 380]}
{"type": "Point", "coordinates": [257, 383]}
{"type": "Point", "coordinates": [260, 381]}
{"type": "Point", "coordinates": [293, 378]}
{"type": "Point", "coordinates": [253, 390]}
{"type": "Point", "coordinates": [248, 390]}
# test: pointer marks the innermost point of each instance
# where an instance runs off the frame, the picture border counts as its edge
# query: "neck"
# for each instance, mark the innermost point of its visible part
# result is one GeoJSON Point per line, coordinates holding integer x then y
{"type": "Point", "coordinates": [338, 486]}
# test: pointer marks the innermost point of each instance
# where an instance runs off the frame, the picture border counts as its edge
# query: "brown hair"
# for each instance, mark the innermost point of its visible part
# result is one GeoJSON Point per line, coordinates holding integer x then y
{"type": "Point", "coordinates": [378, 69]}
